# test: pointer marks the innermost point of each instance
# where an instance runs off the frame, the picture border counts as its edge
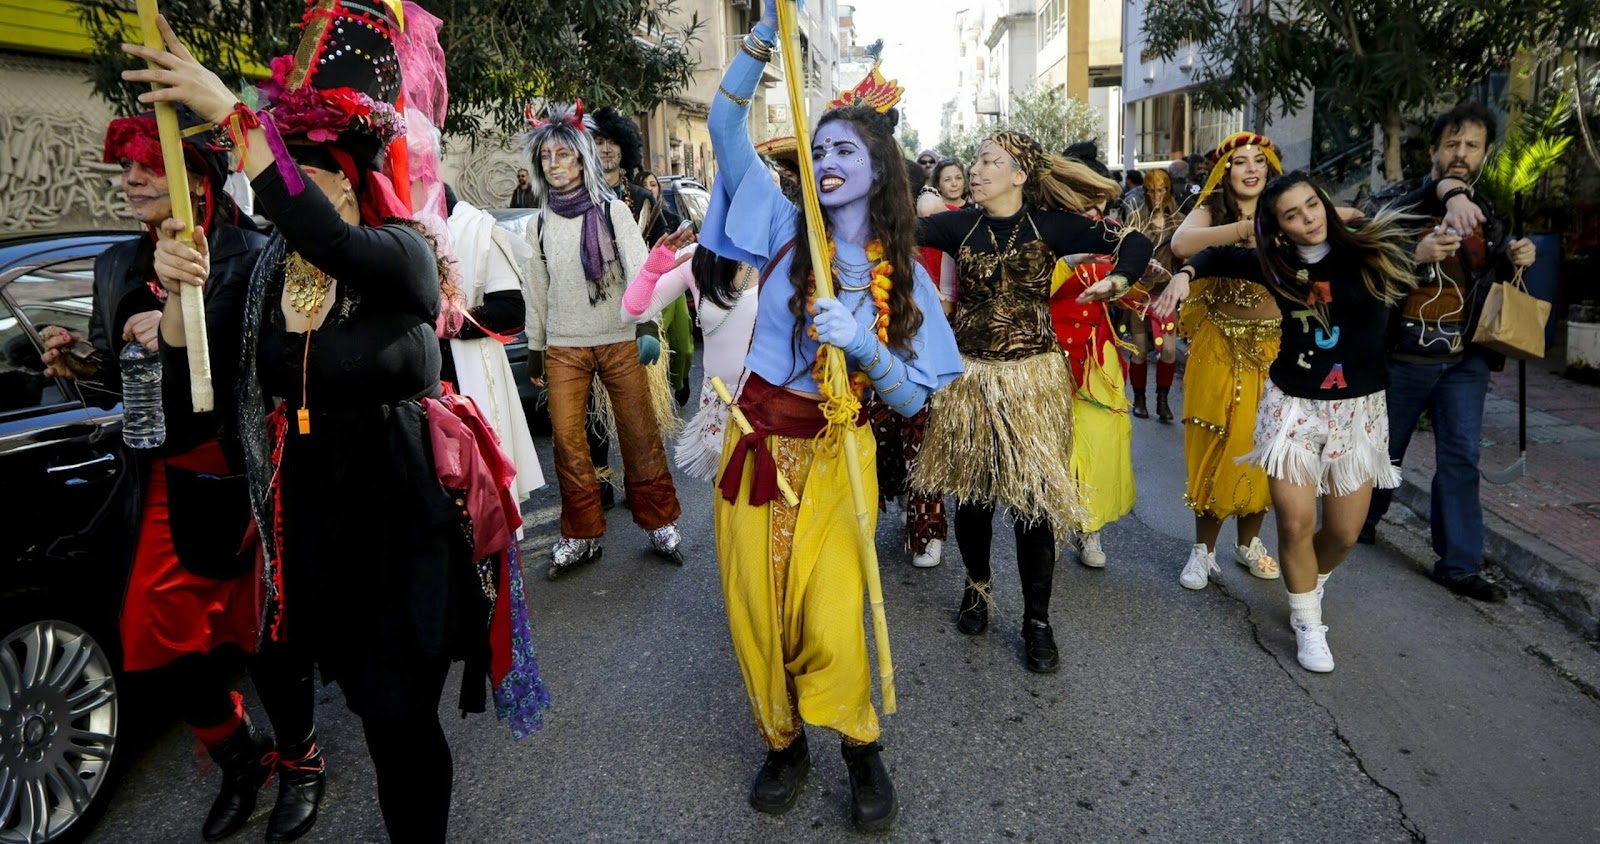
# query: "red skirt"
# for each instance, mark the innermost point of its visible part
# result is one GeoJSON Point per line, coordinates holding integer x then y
{"type": "Point", "coordinates": [171, 611]}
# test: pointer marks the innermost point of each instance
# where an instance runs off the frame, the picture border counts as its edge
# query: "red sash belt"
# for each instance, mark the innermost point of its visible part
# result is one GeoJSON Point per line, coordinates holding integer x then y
{"type": "Point", "coordinates": [772, 411]}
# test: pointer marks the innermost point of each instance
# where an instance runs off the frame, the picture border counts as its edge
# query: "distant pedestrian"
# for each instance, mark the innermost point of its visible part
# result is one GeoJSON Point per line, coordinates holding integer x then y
{"type": "Point", "coordinates": [1132, 192]}
{"type": "Point", "coordinates": [1433, 365]}
{"type": "Point", "coordinates": [522, 196]}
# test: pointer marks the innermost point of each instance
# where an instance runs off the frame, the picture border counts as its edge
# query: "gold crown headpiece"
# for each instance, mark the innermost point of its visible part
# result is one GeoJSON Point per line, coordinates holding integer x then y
{"type": "Point", "coordinates": [875, 91]}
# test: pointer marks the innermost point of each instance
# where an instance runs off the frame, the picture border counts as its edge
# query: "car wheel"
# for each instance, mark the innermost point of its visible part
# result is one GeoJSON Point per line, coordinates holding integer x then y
{"type": "Point", "coordinates": [58, 732]}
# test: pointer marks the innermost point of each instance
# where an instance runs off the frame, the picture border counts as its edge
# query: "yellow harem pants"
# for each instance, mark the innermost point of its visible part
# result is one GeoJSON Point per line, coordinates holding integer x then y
{"type": "Point", "coordinates": [791, 578]}
{"type": "Point", "coordinates": [1102, 443]}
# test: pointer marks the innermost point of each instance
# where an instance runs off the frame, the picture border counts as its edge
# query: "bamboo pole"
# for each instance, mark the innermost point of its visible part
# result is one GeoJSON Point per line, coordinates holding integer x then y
{"type": "Point", "coordinates": [794, 75]}
{"type": "Point", "coordinates": [193, 298]}
{"type": "Point", "coordinates": [745, 428]}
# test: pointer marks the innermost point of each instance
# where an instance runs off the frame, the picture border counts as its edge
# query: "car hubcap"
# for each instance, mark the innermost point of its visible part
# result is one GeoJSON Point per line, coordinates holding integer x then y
{"type": "Point", "coordinates": [58, 728]}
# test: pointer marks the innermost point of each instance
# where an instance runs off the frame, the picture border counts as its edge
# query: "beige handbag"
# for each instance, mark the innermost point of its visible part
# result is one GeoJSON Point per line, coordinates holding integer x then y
{"type": "Point", "coordinates": [1513, 320]}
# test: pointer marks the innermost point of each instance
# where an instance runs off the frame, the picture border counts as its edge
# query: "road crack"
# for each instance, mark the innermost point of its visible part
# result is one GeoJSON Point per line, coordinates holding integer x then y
{"type": "Point", "coordinates": [1410, 826]}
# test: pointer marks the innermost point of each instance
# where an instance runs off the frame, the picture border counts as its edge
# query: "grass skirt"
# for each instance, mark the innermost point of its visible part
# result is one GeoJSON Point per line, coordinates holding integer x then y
{"type": "Point", "coordinates": [1001, 434]}
{"type": "Point", "coordinates": [1102, 443]}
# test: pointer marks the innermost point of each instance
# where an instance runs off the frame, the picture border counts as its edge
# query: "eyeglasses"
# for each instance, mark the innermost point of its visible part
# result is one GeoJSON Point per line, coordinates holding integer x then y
{"type": "Point", "coordinates": [926, 162]}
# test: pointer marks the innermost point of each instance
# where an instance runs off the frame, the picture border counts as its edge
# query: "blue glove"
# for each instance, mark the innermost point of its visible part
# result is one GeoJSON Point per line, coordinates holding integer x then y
{"type": "Point", "coordinates": [649, 350]}
{"type": "Point", "coordinates": [837, 326]}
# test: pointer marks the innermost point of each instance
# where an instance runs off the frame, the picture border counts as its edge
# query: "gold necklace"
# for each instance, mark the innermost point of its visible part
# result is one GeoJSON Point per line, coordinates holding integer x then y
{"type": "Point", "coordinates": [306, 285]}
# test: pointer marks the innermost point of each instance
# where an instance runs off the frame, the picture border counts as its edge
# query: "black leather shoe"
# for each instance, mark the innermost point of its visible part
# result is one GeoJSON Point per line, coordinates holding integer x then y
{"type": "Point", "coordinates": [300, 787]}
{"type": "Point", "coordinates": [1368, 535]}
{"type": "Point", "coordinates": [246, 759]}
{"type": "Point", "coordinates": [1163, 409]}
{"type": "Point", "coordinates": [1477, 587]}
{"type": "Point", "coordinates": [973, 617]}
{"type": "Point", "coordinates": [782, 778]}
{"type": "Point", "coordinates": [1039, 644]}
{"type": "Point", "coordinates": [1139, 410]}
{"type": "Point", "coordinates": [872, 801]}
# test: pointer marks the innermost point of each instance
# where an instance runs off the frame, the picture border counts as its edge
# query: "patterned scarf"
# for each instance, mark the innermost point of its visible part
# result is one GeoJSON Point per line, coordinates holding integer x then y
{"type": "Point", "coordinates": [599, 247]}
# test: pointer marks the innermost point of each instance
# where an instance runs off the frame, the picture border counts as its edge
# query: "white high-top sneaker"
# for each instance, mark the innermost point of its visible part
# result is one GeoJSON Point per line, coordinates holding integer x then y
{"type": "Point", "coordinates": [930, 557]}
{"type": "Point", "coordinates": [1197, 570]}
{"type": "Point", "coordinates": [1089, 551]}
{"type": "Point", "coordinates": [1311, 640]}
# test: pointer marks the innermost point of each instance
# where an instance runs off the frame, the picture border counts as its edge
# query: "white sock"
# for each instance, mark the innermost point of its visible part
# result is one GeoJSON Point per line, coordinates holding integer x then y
{"type": "Point", "coordinates": [1322, 579]}
{"type": "Point", "coordinates": [1305, 608]}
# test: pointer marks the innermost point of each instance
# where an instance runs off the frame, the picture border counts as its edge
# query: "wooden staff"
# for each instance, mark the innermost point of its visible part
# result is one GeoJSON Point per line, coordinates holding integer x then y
{"type": "Point", "coordinates": [747, 429]}
{"type": "Point", "coordinates": [193, 298]}
{"type": "Point", "coordinates": [794, 75]}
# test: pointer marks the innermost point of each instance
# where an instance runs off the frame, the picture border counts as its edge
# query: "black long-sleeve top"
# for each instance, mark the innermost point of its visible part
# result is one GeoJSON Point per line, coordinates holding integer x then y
{"type": "Point", "coordinates": [1343, 359]}
{"type": "Point", "coordinates": [378, 344]}
{"type": "Point", "coordinates": [502, 311]}
{"type": "Point", "coordinates": [1003, 308]}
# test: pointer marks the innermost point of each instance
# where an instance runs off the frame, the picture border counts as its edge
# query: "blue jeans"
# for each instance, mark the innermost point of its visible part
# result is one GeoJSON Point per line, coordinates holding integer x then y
{"type": "Point", "coordinates": [1453, 394]}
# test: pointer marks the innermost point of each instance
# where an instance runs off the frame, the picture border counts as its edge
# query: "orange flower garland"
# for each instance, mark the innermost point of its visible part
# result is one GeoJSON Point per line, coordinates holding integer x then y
{"type": "Point", "coordinates": [882, 282]}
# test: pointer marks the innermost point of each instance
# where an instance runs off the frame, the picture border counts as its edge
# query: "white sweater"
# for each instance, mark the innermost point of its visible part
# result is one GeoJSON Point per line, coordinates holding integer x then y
{"type": "Point", "coordinates": [559, 313]}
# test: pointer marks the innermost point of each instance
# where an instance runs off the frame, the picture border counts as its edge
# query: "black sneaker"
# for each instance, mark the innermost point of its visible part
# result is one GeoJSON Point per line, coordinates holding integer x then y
{"type": "Point", "coordinates": [782, 778]}
{"type": "Point", "coordinates": [1368, 535]}
{"type": "Point", "coordinates": [973, 617]}
{"type": "Point", "coordinates": [1039, 644]}
{"type": "Point", "coordinates": [1477, 587]}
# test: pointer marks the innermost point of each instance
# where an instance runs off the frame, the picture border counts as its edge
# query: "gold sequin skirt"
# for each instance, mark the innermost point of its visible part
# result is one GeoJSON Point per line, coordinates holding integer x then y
{"type": "Point", "coordinates": [1222, 386]}
{"type": "Point", "coordinates": [1001, 434]}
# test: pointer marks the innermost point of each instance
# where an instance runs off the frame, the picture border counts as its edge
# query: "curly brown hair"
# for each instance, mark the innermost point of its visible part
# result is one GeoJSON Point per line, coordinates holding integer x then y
{"type": "Point", "coordinates": [893, 223]}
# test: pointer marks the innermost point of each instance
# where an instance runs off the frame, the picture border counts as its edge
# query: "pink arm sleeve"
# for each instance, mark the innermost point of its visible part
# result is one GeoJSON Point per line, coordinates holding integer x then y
{"type": "Point", "coordinates": [637, 297]}
{"type": "Point", "coordinates": [656, 286]}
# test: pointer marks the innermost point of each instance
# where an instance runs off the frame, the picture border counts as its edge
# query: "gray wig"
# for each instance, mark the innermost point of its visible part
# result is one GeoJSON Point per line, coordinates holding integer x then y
{"type": "Point", "coordinates": [566, 125]}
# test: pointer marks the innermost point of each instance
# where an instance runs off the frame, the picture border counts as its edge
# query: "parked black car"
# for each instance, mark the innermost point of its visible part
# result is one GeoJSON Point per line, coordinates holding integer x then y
{"type": "Point", "coordinates": [68, 508]}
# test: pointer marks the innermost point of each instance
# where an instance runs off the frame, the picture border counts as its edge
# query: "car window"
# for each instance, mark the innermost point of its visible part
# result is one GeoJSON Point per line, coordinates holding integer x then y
{"type": "Point", "coordinates": [53, 294]}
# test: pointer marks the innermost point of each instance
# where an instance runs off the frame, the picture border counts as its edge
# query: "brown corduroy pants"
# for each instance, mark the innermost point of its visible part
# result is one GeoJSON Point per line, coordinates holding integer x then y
{"type": "Point", "coordinates": [651, 494]}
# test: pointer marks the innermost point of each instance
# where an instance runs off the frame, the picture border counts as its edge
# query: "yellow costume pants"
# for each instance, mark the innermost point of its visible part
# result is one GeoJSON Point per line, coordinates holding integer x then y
{"type": "Point", "coordinates": [791, 578]}
{"type": "Point", "coordinates": [1102, 443]}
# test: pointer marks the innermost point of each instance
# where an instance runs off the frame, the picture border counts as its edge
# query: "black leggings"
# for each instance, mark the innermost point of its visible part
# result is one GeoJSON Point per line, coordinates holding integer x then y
{"type": "Point", "coordinates": [1036, 555]}
{"type": "Point", "coordinates": [202, 686]}
{"type": "Point", "coordinates": [397, 697]}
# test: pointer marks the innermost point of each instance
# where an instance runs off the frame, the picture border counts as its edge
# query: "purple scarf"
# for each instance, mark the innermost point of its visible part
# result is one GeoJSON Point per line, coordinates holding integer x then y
{"type": "Point", "coordinates": [599, 248]}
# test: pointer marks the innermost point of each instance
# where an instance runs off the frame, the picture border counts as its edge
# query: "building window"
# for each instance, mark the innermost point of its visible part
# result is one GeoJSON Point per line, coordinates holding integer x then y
{"type": "Point", "coordinates": [1211, 127]}
{"type": "Point", "coordinates": [1153, 123]}
{"type": "Point", "coordinates": [1052, 18]}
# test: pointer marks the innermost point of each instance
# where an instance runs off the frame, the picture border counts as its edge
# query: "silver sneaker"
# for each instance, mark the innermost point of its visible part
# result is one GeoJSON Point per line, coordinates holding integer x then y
{"type": "Point", "coordinates": [1197, 570]}
{"type": "Point", "coordinates": [571, 553]}
{"type": "Point", "coordinates": [664, 541]}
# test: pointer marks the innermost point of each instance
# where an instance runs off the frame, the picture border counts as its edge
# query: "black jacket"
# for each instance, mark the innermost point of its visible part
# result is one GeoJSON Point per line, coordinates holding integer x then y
{"type": "Point", "coordinates": [1423, 200]}
{"type": "Point", "coordinates": [121, 290]}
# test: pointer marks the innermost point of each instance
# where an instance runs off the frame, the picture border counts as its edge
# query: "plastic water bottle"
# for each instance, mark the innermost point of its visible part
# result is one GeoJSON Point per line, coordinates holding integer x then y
{"type": "Point", "coordinates": [144, 424]}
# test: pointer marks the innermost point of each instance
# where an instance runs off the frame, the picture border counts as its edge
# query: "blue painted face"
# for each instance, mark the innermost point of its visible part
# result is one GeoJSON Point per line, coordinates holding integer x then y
{"type": "Point", "coordinates": [843, 165]}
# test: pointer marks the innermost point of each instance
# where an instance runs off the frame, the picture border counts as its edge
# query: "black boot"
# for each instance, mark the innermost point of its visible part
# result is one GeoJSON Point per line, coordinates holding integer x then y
{"type": "Point", "coordinates": [300, 786]}
{"type": "Point", "coordinates": [1139, 410]}
{"type": "Point", "coordinates": [973, 617]}
{"type": "Point", "coordinates": [1039, 645]}
{"type": "Point", "coordinates": [872, 802]}
{"type": "Point", "coordinates": [246, 759]}
{"type": "Point", "coordinates": [782, 778]}
{"type": "Point", "coordinates": [1163, 410]}
{"type": "Point", "coordinates": [608, 496]}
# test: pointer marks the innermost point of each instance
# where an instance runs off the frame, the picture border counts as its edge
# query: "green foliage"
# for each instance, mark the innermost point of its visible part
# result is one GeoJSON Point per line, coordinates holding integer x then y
{"type": "Point", "coordinates": [911, 140]}
{"type": "Point", "coordinates": [1052, 117]}
{"type": "Point", "coordinates": [500, 53]}
{"type": "Point", "coordinates": [1534, 144]}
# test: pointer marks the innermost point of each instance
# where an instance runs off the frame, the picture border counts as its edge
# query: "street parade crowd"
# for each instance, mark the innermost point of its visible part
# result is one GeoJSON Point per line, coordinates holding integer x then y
{"type": "Point", "coordinates": [993, 317]}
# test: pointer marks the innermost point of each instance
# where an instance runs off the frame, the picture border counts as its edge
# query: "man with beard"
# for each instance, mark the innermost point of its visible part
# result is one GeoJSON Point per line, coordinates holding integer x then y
{"type": "Point", "coordinates": [522, 196]}
{"type": "Point", "coordinates": [620, 145]}
{"type": "Point", "coordinates": [1433, 365]}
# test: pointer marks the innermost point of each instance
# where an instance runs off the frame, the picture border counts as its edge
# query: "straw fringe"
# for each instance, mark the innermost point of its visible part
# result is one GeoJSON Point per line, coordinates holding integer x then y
{"type": "Point", "coordinates": [1001, 434]}
{"type": "Point", "coordinates": [697, 453]}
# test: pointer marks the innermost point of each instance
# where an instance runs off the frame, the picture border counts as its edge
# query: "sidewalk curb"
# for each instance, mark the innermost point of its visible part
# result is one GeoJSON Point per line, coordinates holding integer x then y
{"type": "Point", "coordinates": [1553, 577]}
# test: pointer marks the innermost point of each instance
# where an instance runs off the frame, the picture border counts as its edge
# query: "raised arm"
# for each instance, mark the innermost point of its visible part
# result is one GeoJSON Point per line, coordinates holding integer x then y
{"type": "Point", "coordinates": [1197, 233]}
{"type": "Point", "coordinates": [730, 112]}
{"type": "Point", "coordinates": [665, 277]}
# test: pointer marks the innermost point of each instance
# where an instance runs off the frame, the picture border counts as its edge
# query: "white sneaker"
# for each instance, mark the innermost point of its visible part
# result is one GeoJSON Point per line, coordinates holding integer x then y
{"type": "Point", "coordinates": [1089, 551]}
{"type": "Point", "coordinates": [1312, 642]}
{"type": "Point", "coordinates": [931, 557]}
{"type": "Point", "coordinates": [1197, 571]}
{"type": "Point", "coordinates": [1255, 558]}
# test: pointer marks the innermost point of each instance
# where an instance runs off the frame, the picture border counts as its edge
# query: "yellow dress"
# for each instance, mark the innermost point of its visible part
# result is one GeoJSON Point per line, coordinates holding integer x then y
{"type": "Point", "coordinates": [1102, 458]}
{"type": "Point", "coordinates": [1222, 385]}
{"type": "Point", "coordinates": [791, 578]}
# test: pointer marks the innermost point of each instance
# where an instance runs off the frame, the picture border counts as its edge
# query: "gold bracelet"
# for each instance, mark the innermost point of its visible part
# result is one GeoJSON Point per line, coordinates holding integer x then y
{"type": "Point", "coordinates": [752, 48]}
{"type": "Point", "coordinates": [738, 101]}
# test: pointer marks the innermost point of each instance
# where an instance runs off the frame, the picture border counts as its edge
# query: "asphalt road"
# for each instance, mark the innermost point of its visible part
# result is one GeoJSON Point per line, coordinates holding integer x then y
{"type": "Point", "coordinates": [1177, 716]}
